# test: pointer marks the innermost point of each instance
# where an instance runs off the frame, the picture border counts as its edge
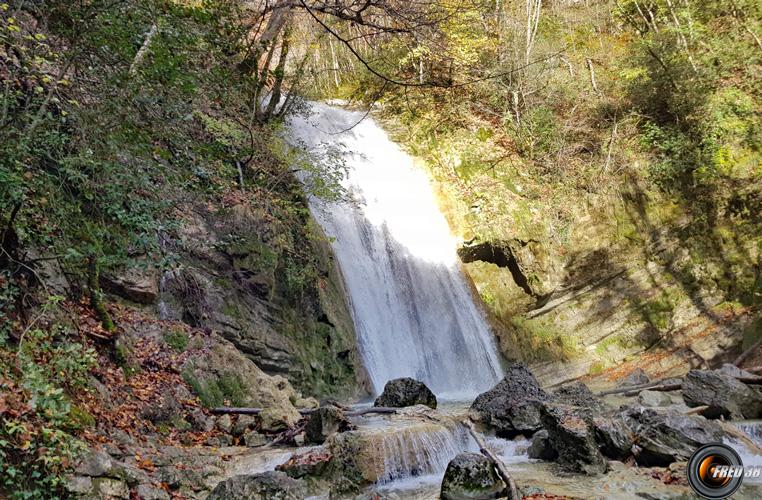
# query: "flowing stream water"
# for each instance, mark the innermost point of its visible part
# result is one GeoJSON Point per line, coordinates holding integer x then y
{"type": "Point", "coordinates": [412, 307]}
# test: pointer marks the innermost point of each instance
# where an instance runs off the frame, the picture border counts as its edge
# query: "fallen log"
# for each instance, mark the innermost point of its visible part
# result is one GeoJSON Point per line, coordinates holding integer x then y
{"type": "Point", "coordinates": [660, 388]}
{"type": "Point", "coordinates": [513, 492]}
{"type": "Point", "coordinates": [750, 380]}
{"type": "Point", "coordinates": [696, 410]}
{"type": "Point", "coordinates": [737, 433]}
{"type": "Point", "coordinates": [638, 387]}
{"type": "Point", "coordinates": [748, 352]}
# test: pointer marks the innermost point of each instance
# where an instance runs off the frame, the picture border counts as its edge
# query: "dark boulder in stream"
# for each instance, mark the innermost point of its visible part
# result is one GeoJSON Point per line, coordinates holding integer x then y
{"type": "Point", "coordinates": [571, 433]}
{"type": "Point", "coordinates": [512, 407]}
{"type": "Point", "coordinates": [725, 396]}
{"type": "Point", "coordinates": [665, 437]}
{"type": "Point", "coordinates": [406, 391]}
{"type": "Point", "coordinates": [578, 394]}
{"type": "Point", "coordinates": [471, 476]}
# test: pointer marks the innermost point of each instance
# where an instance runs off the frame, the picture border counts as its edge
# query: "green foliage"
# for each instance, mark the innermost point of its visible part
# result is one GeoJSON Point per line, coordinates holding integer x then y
{"type": "Point", "coordinates": [177, 340]}
{"type": "Point", "coordinates": [37, 442]}
{"type": "Point", "coordinates": [227, 389]}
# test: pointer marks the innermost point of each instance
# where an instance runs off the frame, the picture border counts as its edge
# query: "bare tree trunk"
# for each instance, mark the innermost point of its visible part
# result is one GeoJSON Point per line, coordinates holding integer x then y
{"type": "Point", "coordinates": [681, 36]}
{"type": "Point", "coordinates": [533, 20]}
{"type": "Point", "coordinates": [143, 49]}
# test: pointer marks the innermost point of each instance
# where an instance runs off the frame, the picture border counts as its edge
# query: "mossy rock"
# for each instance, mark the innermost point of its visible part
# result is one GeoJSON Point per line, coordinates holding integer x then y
{"type": "Point", "coordinates": [471, 476]}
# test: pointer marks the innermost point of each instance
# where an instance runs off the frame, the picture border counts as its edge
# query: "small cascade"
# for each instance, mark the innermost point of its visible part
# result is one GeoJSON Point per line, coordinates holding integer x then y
{"type": "Point", "coordinates": [414, 451]}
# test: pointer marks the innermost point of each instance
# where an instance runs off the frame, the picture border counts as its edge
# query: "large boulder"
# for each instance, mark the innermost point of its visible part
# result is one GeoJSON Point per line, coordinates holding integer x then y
{"type": "Point", "coordinates": [471, 476]}
{"type": "Point", "coordinates": [666, 437]}
{"type": "Point", "coordinates": [723, 394]}
{"type": "Point", "coordinates": [614, 438]}
{"type": "Point", "coordinates": [654, 399]}
{"type": "Point", "coordinates": [578, 394]}
{"type": "Point", "coordinates": [572, 435]}
{"type": "Point", "coordinates": [512, 407]}
{"type": "Point", "coordinates": [406, 391]}
{"type": "Point", "coordinates": [635, 377]}
{"type": "Point", "coordinates": [274, 485]}
{"type": "Point", "coordinates": [324, 422]}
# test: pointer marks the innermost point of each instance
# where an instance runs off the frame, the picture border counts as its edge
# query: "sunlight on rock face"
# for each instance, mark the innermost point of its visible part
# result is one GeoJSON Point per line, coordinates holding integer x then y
{"type": "Point", "coordinates": [413, 310]}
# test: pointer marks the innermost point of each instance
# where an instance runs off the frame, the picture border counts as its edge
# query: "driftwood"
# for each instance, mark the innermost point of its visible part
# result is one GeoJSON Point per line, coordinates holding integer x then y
{"type": "Point", "coordinates": [304, 411]}
{"type": "Point", "coordinates": [696, 410]}
{"type": "Point", "coordinates": [748, 352]}
{"type": "Point", "coordinates": [513, 493]}
{"type": "Point", "coordinates": [631, 388]}
{"type": "Point", "coordinates": [741, 436]}
{"type": "Point", "coordinates": [750, 380]}
{"type": "Point", "coordinates": [660, 388]}
{"type": "Point", "coordinates": [143, 49]}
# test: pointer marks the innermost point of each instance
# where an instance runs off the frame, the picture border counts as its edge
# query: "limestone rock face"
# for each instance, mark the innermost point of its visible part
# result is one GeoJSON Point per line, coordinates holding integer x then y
{"type": "Point", "coordinates": [232, 280]}
{"type": "Point", "coordinates": [572, 435]}
{"type": "Point", "coordinates": [471, 476]}
{"type": "Point", "coordinates": [268, 485]}
{"type": "Point", "coordinates": [406, 391]}
{"type": "Point", "coordinates": [666, 437]}
{"type": "Point", "coordinates": [223, 362]}
{"type": "Point", "coordinates": [137, 285]}
{"type": "Point", "coordinates": [726, 396]}
{"type": "Point", "coordinates": [513, 406]}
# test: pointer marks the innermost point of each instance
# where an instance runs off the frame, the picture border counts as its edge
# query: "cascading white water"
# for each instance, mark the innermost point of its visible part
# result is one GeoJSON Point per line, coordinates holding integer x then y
{"type": "Point", "coordinates": [412, 308]}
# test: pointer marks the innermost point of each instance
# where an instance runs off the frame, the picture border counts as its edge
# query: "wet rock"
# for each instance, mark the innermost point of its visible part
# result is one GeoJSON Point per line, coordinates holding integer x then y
{"type": "Point", "coordinates": [406, 391]}
{"type": "Point", "coordinates": [578, 394]}
{"type": "Point", "coordinates": [471, 476]}
{"type": "Point", "coordinates": [541, 447]}
{"type": "Point", "coordinates": [665, 437]}
{"type": "Point", "coordinates": [324, 422]}
{"type": "Point", "coordinates": [654, 399]}
{"type": "Point", "coordinates": [313, 463]}
{"type": "Point", "coordinates": [725, 396]}
{"type": "Point", "coordinates": [512, 407]}
{"type": "Point", "coordinates": [614, 438]}
{"type": "Point", "coordinates": [571, 433]}
{"type": "Point", "coordinates": [636, 377]}
{"type": "Point", "coordinates": [95, 463]}
{"type": "Point", "coordinates": [274, 485]}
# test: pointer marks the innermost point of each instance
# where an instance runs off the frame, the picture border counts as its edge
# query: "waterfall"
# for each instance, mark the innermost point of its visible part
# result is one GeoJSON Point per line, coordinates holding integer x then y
{"type": "Point", "coordinates": [412, 307]}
